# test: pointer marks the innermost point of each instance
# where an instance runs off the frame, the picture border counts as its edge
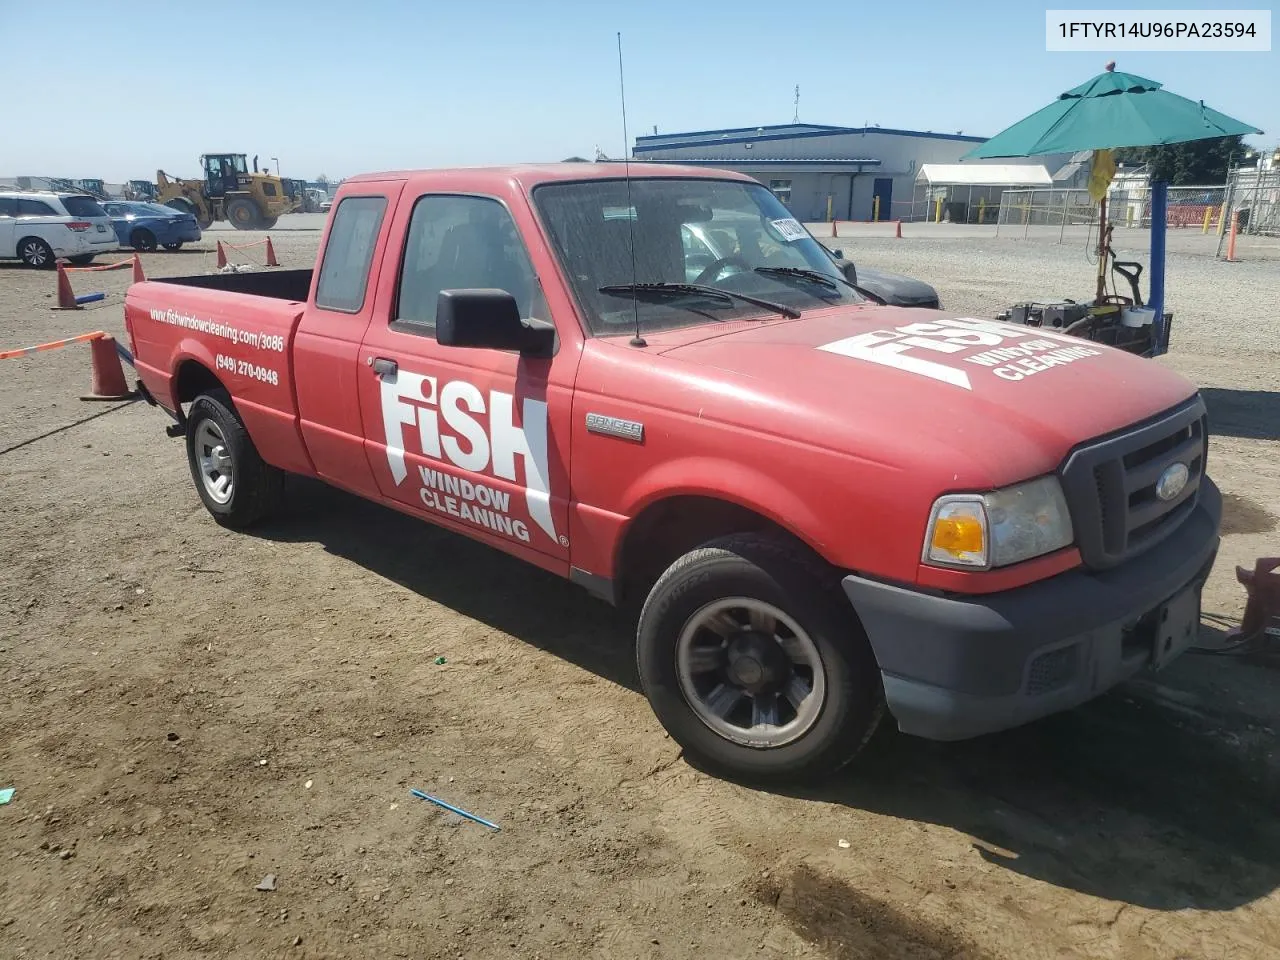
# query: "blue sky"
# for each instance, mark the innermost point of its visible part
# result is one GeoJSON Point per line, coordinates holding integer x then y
{"type": "Point", "coordinates": [341, 88]}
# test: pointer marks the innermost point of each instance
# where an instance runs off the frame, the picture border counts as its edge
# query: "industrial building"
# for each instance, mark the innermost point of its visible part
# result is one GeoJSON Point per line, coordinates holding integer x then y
{"type": "Point", "coordinates": [823, 172]}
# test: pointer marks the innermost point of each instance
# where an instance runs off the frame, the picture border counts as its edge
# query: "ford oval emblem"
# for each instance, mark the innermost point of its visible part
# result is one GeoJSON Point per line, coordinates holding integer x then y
{"type": "Point", "coordinates": [1173, 481]}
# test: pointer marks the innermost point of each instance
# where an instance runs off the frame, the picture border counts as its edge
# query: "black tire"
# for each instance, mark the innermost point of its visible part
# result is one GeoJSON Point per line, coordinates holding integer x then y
{"type": "Point", "coordinates": [769, 571]}
{"type": "Point", "coordinates": [143, 239]}
{"type": "Point", "coordinates": [243, 214]}
{"type": "Point", "coordinates": [268, 223]}
{"type": "Point", "coordinates": [176, 245]}
{"type": "Point", "coordinates": [81, 260]}
{"type": "Point", "coordinates": [256, 487]}
{"type": "Point", "coordinates": [36, 254]}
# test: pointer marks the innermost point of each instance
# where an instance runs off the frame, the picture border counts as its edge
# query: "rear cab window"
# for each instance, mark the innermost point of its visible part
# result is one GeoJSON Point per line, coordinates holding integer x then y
{"type": "Point", "coordinates": [83, 207]}
{"type": "Point", "coordinates": [344, 272]}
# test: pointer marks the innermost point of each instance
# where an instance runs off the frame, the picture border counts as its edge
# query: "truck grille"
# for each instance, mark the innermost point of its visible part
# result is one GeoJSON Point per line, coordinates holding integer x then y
{"type": "Point", "coordinates": [1110, 485]}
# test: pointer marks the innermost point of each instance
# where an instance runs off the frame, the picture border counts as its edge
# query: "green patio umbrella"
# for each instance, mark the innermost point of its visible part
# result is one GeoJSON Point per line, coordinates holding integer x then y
{"type": "Point", "coordinates": [1112, 110]}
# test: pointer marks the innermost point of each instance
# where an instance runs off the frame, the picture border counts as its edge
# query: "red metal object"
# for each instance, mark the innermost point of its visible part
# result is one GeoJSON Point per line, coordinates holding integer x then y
{"type": "Point", "coordinates": [1262, 609]}
{"type": "Point", "coordinates": [887, 406]}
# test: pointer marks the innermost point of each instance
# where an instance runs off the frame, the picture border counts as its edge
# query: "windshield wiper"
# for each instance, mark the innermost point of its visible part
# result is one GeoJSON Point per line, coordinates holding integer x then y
{"type": "Point", "coordinates": [678, 289]}
{"type": "Point", "coordinates": [816, 276]}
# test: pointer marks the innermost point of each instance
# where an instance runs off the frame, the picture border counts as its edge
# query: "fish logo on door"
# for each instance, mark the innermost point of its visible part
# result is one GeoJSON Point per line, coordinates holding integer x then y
{"type": "Point", "coordinates": [468, 442]}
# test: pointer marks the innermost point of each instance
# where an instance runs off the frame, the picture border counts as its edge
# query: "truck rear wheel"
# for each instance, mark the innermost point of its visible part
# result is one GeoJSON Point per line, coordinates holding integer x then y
{"type": "Point", "coordinates": [754, 666]}
{"type": "Point", "coordinates": [243, 214]}
{"type": "Point", "coordinates": [237, 486]}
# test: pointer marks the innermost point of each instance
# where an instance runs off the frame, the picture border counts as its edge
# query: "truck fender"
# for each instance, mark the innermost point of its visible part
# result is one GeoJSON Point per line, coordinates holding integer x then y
{"type": "Point", "coordinates": [729, 482]}
{"type": "Point", "coordinates": [191, 351]}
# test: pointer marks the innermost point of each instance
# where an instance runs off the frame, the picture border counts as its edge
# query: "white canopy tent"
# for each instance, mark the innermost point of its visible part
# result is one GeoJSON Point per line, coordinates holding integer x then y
{"type": "Point", "coordinates": [961, 192]}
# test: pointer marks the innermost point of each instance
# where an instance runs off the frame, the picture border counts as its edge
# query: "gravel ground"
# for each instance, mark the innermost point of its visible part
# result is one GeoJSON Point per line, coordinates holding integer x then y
{"type": "Point", "coordinates": [190, 709]}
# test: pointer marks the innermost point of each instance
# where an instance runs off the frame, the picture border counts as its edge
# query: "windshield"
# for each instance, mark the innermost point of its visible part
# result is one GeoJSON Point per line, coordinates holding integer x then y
{"type": "Point", "coordinates": [718, 233]}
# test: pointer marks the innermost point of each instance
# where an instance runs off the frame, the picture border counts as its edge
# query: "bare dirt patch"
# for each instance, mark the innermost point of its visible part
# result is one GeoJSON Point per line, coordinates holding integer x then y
{"type": "Point", "coordinates": [187, 710]}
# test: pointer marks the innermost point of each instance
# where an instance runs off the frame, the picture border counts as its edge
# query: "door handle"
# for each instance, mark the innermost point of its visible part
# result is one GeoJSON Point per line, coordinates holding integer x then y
{"type": "Point", "coordinates": [383, 367]}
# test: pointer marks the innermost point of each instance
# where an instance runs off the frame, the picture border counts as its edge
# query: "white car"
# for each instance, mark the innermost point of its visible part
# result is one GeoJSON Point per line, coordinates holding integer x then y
{"type": "Point", "coordinates": [41, 228]}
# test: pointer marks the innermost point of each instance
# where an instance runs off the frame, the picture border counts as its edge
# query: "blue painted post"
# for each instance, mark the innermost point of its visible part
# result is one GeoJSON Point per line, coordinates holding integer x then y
{"type": "Point", "coordinates": [1159, 208]}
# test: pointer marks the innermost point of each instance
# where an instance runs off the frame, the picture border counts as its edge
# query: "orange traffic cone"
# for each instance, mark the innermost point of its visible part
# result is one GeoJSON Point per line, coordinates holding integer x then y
{"type": "Point", "coordinates": [66, 296]}
{"type": "Point", "coordinates": [897, 231]}
{"type": "Point", "coordinates": [222, 256]}
{"type": "Point", "coordinates": [108, 374]}
{"type": "Point", "coordinates": [138, 275]}
{"type": "Point", "coordinates": [271, 255]}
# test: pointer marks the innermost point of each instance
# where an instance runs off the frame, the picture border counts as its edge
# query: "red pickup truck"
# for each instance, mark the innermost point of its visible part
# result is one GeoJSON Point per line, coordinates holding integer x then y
{"type": "Point", "coordinates": [826, 508]}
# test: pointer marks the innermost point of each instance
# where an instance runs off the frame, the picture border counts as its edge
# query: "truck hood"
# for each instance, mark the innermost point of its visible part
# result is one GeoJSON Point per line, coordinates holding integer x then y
{"type": "Point", "coordinates": [1004, 402]}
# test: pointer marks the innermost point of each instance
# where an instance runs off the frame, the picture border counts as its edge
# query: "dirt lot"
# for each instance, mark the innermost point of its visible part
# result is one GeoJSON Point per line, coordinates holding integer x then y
{"type": "Point", "coordinates": [187, 710]}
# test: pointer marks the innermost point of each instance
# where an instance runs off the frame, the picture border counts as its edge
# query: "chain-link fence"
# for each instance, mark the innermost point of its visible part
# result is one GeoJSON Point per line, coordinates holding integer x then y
{"type": "Point", "coordinates": [1253, 197]}
{"type": "Point", "coordinates": [1023, 209]}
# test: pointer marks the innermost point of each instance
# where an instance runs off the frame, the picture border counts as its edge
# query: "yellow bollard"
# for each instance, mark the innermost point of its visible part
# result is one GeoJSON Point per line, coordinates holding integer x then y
{"type": "Point", "coordinates": [1222, 219]}
{"type": "Point", "coordinates": [937, 211]}
{"type": "Point", "coordinates": [875, 209]}
{"type": "Point", "coordinates": [1128, 215]}
{"type": "Point", "coordinates": [1208, 211]}
{"type": "Point", "coordinates": [982, 208]}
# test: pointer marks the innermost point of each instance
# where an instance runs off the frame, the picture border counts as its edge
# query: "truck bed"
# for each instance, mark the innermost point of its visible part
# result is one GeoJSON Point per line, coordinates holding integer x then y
{"type": "Point", "coordinates": [291, 285]}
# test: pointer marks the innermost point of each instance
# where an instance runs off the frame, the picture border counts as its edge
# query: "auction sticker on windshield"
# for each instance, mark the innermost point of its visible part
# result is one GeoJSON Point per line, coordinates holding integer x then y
{"type": "Point", "coordinates": [789, 229]}
{"type": "Point", "coordinates": [941, 350]}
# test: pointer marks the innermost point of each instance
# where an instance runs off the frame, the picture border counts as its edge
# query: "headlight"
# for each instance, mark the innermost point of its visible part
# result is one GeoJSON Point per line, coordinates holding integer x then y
{"type": "Point", "coordinates": [980, 531]}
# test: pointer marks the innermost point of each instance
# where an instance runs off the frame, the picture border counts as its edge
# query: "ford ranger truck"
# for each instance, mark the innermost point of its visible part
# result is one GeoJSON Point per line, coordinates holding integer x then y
{"type": "Point", "coordinates": [826, 510]}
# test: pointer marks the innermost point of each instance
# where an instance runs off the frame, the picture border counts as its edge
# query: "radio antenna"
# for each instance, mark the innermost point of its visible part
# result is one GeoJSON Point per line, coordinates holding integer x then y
{"type": "Point", "coordinates": [637, 340]}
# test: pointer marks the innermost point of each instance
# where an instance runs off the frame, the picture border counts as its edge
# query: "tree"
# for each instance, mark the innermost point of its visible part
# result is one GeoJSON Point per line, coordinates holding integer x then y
{"type": "Point", "coordinates": [574, 160]}
{"type": "Point", "coordinates": [323, 180]}
{"type": "Point", "coordinates": [1196, 162]}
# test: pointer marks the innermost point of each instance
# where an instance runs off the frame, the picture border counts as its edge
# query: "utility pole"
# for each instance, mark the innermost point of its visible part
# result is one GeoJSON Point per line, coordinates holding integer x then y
{"type": "Point", "coordinates": [796, 117]}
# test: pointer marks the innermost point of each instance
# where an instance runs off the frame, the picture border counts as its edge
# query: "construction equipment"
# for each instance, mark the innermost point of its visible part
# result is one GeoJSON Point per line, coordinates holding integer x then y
{"type": "Point", "coordinates": [136, 190]}
{"type": "Point", "coordinates": [248, 201]}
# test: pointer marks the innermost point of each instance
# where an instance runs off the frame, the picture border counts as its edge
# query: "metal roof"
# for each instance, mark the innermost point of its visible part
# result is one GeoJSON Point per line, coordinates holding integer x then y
{"type": "Point", "coordinates": [750, 161]}
{"type": "Point", "coordinates": [788, 131]}
{"type": "Point", "coordinates": [985, 174]}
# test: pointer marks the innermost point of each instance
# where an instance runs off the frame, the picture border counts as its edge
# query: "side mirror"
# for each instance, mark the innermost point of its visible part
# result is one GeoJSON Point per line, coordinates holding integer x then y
{"type": "Point", "coordinates": [850, 271]}
{"type": "Point", "coordinates": [837, 254]}
{"type": "Point", "coordinates": [490, 319]}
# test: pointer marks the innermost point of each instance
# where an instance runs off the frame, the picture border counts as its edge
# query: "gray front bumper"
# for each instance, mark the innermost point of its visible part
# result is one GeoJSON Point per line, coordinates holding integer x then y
{"type": "Point", "coordinates": [958, 667]}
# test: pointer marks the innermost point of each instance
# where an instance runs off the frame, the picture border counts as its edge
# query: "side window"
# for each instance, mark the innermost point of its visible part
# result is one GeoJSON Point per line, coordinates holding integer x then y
{"type": "Point", "coordinates": [35, 208]}
{"type": "Point", "coordinates": [459, 243]}
{"type": "Point", "coordinates": [344, 274]}
{"type": "Point", "coordinates": [8, 207]}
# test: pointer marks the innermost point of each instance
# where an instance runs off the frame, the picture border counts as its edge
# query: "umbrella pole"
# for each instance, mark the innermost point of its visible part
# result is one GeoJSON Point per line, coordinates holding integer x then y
{"type": "Point", "coordinates": [1155, 298]}
{"type": "Point", "coordinates": [1102, 251]}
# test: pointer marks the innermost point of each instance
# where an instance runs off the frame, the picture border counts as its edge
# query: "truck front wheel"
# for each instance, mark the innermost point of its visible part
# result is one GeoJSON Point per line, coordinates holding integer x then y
{"type": "Point", "coordinates": [754, 667]}
{"type": "Point", "coordinates": [237, 486]}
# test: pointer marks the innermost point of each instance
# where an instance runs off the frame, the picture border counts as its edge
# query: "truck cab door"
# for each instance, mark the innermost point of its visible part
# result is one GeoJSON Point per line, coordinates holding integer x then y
{"type": "Point", "coordinates": [473, 439]}
{"type": "Point", "coordinates": [327, 369]}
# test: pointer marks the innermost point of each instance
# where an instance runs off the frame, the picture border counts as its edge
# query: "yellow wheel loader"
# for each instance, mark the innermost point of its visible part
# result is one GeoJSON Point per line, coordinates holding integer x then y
{"type": "Point", "coordinates": [248, 201]}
